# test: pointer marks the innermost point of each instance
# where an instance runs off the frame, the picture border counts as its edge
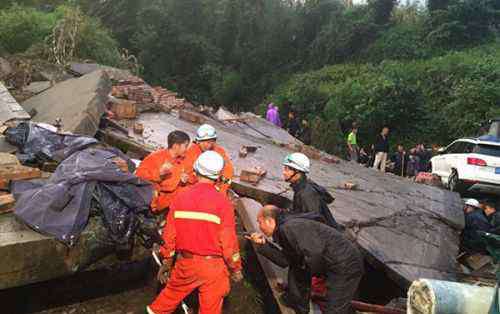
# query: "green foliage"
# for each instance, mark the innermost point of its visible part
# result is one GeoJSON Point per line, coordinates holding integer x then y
{"type": "Point", "coordinates": [464, 23]}
{"type": "Point", "coordinates": [24, 27]}
{"type": "Point", "coordinates": [435, 100]}
{"type": "Point", "coordinates": [382, 10]}
{"type": "Point", "coordinates": [21, 27]}
{"type": "Point", "coordinates": [96, 43]}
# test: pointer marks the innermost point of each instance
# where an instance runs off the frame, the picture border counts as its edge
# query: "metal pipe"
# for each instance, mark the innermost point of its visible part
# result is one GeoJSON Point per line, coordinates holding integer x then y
{"type": "Point", "coordinates": [427, 296]}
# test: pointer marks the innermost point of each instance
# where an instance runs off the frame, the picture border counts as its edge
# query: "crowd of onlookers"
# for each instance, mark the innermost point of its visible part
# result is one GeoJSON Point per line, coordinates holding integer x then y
{"type": "Point", "coordinates": [402, 162]}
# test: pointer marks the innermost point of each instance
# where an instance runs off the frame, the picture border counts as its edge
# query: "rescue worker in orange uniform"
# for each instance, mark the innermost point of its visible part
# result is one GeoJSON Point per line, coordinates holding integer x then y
{"type": "Point", "coordinates": [205, 140]}
{"type": "Point", "coordinates": [167, 170]}
{"type": "Point", "coordinates": [201, 233]}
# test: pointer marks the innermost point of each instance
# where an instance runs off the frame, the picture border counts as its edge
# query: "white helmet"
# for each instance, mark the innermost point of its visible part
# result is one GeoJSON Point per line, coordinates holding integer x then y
{"type": "Point", "coordinates": [472, 202]}
{"type": "Point", "coordinates": [297, 161]}
{"type": "Point", "coordinates": [205, 132]}
{"type": "Point", "coordinates": [209, 165]}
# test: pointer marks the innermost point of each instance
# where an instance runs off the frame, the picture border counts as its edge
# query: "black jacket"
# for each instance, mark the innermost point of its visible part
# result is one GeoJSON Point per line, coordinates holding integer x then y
{"type": "Point", "coordinates": [293, 127]}
{"type": "Point", "coordinates": [311, 197]}
{"type": "Point", "coordinates": [381, 144]}
{"type": "Point", "coordinates": [475, 221]}
{"type": "Point", "coordinates": [400, 163]}
{"type": "Point", "coordinates": [312, 246]}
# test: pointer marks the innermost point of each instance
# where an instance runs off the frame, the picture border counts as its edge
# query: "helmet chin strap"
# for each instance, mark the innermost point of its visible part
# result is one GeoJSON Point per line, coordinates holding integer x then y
{"type": "Point", "coordinates": [292, 176]}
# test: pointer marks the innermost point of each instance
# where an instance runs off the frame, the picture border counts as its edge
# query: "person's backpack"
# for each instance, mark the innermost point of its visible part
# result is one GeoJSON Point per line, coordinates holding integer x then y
{"type": "Point", "coordinates": [325, 195]}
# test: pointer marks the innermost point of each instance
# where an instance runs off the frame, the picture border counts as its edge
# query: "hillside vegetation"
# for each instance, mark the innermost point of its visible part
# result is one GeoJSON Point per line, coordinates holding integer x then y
{"type": "Point", "coordinates": [430, 73]}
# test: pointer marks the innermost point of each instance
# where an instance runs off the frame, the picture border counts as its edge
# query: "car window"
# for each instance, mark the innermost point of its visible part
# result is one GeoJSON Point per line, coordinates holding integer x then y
{"type": "Point", "coordinates": [489, 150]}
{"type": "Point", "coordinates": [469, 147]}
{"type": "Point", "coordinates": [456, 148]}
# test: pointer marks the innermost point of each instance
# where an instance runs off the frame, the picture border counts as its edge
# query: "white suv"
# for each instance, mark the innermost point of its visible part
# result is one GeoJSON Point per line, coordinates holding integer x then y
{"type": "Point", "coordinates": [470, 164]}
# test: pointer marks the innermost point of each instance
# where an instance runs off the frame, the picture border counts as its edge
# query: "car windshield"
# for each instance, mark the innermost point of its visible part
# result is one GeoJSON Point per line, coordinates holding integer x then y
{"type": "Point", "coordinates": [489, 150]}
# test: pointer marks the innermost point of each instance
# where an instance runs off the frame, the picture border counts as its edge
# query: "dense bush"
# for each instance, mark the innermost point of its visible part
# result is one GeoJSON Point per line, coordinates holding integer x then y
{"type": "Point", "coordinates": [24, 27]}
{"type": "Point", "coordinates": [21, 27]}
{"type": "Point", "coordinates": [434, 100]}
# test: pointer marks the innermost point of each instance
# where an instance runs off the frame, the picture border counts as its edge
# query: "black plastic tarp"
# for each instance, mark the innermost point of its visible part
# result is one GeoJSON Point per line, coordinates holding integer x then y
{"type": "Point", "coordinates": [36, 142]}
{"type": "Point", "coordinates": [61, 206]}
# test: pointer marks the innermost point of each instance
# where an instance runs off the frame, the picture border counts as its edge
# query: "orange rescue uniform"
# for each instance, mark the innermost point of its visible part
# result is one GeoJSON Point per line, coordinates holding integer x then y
{"type": "Point", "coordinates": [227, 173]}
{"type": "Point", "coordinates": [167, 186]}
{"type": "Point", "coordinates": [201, 230]}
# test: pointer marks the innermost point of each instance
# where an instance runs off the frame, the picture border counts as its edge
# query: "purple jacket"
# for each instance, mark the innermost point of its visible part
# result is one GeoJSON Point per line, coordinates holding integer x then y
{"type": "Point", "coordinates": [273, 115]}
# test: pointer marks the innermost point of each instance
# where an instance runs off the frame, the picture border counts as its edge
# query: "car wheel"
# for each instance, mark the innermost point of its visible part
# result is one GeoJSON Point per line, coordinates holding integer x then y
{"type": "Point", "coordinates": [454, 183]}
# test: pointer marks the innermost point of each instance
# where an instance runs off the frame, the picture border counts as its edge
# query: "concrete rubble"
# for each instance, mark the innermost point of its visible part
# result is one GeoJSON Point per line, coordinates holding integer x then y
{"type": "Point", "coordinates": [406, 230]}
{"type": "Point", "coordinates": [78, 102]}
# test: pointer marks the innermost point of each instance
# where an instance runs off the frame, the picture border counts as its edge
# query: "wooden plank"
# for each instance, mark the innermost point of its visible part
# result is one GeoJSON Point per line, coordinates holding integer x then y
{"type": "Point", "coordinates": [19, 172]}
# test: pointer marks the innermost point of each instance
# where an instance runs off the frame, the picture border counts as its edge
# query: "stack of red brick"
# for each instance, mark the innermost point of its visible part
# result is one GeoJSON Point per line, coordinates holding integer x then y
{"type": "Point", "coordinates": [139, 92]}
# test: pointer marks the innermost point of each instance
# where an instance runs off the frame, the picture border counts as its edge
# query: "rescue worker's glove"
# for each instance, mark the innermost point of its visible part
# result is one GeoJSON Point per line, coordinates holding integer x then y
{"type": "Point", "coordinates": [237, 276]}
{"type": "Point", "coordinates": [164, 271]}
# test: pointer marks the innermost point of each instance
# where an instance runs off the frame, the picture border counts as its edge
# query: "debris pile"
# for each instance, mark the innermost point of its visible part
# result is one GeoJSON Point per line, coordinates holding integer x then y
{"type": "Point", "coordinates": [406, 230]}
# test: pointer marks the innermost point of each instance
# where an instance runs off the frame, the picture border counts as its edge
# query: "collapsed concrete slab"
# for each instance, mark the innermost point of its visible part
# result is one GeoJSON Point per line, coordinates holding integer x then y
{"type": "Point", "coordinates": [9, 108]}
{"type": "Point", "coordinates": [80, 103]}
{"type": "Point", "coordinates": [29, 257]}
{"type": "Point", "coordinates": [408, 230]}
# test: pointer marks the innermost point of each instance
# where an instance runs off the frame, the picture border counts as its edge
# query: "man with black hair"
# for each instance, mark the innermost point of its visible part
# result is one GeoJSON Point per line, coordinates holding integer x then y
{"type": "Point", "coordinates": [293, 125]}
{"type": "Point", "coordinates": [490, 210]}
{"type": "Point", "coordinates": [310, 248]}
{"type": "Point", "coordinates": [167, 170]}
{"type": "Point", "coordinates": [381, 150]}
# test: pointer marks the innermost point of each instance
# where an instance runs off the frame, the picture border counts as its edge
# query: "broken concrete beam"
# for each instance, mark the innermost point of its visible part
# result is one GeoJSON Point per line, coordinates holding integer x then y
{"type": "Point", "coordinates": [124, 143]}
{"type": "Point", "coordinates": [192, 117]}
{"type": "Point", "coordinates": [18, 172]}
{"type": "Point", "coordinates": [9, 108]}
{"type": "Point", "coordinates": [80, 103]}
{"type": "Point", "coordinates": [33, 257]}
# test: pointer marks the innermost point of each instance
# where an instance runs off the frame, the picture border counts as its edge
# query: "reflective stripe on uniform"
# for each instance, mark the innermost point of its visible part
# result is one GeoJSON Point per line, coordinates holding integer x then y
{"type": "Point", "coordinates": [197, 216]}
{"type": "Point", "coordinates": [236, 257]}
